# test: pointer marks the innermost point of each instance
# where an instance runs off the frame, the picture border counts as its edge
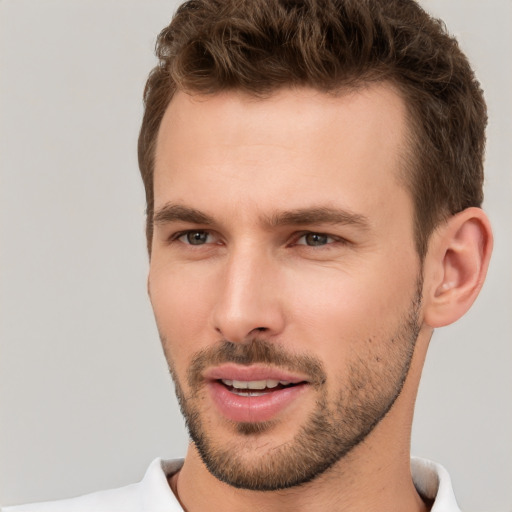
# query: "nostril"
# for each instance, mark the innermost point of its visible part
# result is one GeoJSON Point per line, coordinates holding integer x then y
{"type": "Point", "coordinates": [257, 330]}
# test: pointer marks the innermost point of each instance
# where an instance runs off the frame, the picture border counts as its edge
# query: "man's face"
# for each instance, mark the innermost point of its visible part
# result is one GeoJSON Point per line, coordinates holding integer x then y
{"type": "Point", "coordinates": [283, 276]}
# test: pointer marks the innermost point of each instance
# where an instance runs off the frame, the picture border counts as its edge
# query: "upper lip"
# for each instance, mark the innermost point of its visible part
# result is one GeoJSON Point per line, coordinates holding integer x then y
{"type": "Point", "coordinates": [230, 371]}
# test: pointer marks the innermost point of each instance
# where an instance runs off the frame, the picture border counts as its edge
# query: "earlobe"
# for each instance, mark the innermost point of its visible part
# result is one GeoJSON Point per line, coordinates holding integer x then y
{"type": "Point", "coordinates": [456, 266]}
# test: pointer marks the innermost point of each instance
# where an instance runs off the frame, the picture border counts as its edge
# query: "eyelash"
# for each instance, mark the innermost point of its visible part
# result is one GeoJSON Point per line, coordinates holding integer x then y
{"type": "Point", "coordinates": [333, 239]}
{"type": "Point", "coordinates": [295, 239]}
{"type": "Point", "coordinates": [176, 236]}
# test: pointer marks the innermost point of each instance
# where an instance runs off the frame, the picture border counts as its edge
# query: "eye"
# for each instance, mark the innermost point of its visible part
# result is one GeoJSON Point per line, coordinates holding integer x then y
{"type": "Point", "coordinates": [315, 239]}
{"type": "Point", "coordinates": [195, 237]}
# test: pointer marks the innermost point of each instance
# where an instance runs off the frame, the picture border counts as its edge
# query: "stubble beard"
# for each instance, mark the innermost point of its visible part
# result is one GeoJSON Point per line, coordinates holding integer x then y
{"type": "Point", "coordinates": [330, 432]}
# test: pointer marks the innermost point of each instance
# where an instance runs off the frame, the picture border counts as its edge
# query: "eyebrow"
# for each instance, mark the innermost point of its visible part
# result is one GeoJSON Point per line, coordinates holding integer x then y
{"type": "Point", "coordinates": [322, 215]}
{"type": "Point", "coordinates": [298, 217]}
{"type": "Point", "coordinates": [175, 213]}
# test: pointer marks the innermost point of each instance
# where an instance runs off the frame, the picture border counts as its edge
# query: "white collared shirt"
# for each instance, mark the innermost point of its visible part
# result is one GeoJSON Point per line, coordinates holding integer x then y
{"type": "Point", "coordinates": [153, 494]}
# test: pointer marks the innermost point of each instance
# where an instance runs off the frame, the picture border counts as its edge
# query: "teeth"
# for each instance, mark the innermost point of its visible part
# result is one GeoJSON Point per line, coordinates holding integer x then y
{"type": "Point", "coordinates": [248, 393]}
{"type": "Point", "coordinates": [255, 384]}
{"type": "Point", "coordinates": [240, 384]}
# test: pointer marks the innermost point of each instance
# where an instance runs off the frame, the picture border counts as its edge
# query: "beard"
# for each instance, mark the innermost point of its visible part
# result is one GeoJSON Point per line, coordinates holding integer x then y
{"type": "Point", "coordinates": [375, 378]}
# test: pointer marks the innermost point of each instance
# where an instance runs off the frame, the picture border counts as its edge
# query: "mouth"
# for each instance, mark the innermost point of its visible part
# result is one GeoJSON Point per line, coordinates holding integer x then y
{"type": "Point", "coordinates": [254, 394]}
{"type": "Point", "coordinates": [256, 387]}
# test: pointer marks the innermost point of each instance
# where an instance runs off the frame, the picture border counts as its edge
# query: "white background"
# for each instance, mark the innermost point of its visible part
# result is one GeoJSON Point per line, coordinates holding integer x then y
{"type": "Point", "coordinates": [86, 402]}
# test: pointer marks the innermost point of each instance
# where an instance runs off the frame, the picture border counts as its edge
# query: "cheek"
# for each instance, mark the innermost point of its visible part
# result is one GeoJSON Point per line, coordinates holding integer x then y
{"type": "Point", "coordinates": [181, 307]}
{"type": "Point", "coordinates": [341, 314]}
{"type": "Point", "coordinates": [341, 301]}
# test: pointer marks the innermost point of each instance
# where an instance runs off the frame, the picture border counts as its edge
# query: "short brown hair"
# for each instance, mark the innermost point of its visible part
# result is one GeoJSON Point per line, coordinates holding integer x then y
{"type": "Point", "coordinates": [259, 46]}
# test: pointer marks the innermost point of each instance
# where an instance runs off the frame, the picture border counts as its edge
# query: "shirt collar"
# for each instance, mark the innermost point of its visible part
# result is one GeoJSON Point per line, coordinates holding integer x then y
{"type": "Point", "coordinates": [431, 480]}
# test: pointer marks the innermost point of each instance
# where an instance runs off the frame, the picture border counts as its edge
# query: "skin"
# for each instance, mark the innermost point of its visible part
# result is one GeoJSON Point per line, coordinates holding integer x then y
{"type": "Point", "coordinates": [242, 161]}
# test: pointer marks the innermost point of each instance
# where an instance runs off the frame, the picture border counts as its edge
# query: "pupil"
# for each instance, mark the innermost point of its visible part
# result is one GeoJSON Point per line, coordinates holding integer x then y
{"type": "Point", "coordinates": [316, 239]}
{"type": "Point", "coordinates": [197, 237]}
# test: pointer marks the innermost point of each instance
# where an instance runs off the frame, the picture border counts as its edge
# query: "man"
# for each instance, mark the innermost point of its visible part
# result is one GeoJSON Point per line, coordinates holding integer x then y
{"type": "Point", "coordinates": [313, 175]}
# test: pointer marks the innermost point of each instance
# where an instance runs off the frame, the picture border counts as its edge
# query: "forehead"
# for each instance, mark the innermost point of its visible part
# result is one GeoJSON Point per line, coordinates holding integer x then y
{"type": "Point", "coordinates": [298, 146]}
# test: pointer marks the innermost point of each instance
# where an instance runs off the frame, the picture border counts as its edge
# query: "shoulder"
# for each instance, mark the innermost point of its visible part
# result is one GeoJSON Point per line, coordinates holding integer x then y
{"type": "Point", "coordinates": [124, 498]}
{"type": "Point", "coordinates": [151, 493]}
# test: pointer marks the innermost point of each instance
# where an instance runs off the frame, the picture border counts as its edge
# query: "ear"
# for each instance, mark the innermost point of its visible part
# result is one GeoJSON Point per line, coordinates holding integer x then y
{"type": "Point", "coordinates": [455, 266]}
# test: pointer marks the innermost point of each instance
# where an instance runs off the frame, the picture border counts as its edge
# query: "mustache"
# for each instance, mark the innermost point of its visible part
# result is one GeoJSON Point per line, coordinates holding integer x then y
{"type": "Point", "coordinates": [255, 351]}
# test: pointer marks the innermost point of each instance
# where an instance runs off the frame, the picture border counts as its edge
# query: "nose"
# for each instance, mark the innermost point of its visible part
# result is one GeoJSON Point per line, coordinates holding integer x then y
{"type": "Point", "coordinates": [249, 300]}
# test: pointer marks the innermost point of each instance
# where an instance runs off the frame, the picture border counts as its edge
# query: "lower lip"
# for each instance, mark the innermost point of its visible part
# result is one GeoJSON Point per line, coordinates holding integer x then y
{"type": "Point", "coordinates": [253, 409]}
